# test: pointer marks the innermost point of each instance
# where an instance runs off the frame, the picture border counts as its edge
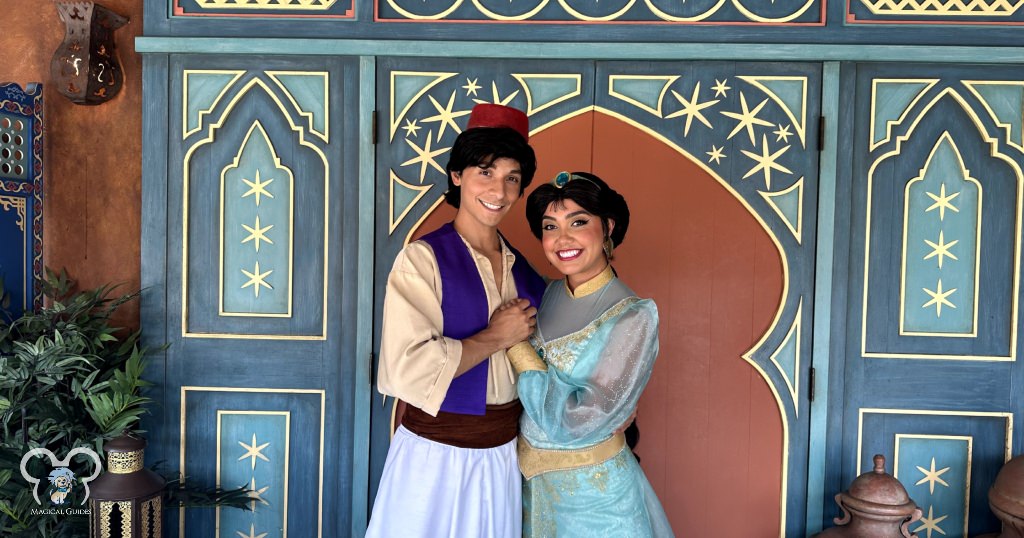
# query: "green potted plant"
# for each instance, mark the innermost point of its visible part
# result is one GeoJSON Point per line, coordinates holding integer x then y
{"type": "Point", "coordinates": [69, 379]}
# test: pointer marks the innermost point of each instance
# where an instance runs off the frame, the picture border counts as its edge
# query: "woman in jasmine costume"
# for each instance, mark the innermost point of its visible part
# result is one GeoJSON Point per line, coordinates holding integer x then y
{"type": "Point", "coordinates": [582, 373]}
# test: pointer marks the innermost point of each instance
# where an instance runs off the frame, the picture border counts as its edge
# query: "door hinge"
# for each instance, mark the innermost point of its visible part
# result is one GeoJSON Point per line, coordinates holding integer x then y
{"type": "Point", "coordinates": [373, 128]}
{"type": "Point", "coordinates": [810, 385]}
{"type": "Point", "coordinates": [821, 133]}
{"type": "Point", "coordinates": [373, 372]}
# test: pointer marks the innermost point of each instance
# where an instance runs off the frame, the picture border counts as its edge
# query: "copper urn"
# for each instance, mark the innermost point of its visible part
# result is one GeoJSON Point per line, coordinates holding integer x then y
{"type": "Point", "coordinates": [875, 506]}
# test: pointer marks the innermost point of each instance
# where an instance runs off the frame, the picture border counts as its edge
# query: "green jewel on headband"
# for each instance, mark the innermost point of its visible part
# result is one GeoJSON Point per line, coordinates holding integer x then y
{"type": "Point", "coordinates": [563, 178]}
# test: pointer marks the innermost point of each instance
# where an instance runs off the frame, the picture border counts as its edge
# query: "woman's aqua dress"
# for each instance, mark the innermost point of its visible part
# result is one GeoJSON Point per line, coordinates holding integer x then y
{"type": "Point", "coordinates": [598, 346]}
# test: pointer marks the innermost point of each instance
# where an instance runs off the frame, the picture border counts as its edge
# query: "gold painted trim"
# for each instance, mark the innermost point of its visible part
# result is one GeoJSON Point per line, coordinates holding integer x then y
{"type": "Point", "coordinates": [970, 460]}
{"type": "Point", "coordinates": [396, 121]}
{"type": "Point", "coordinates": [943, 8]}
{"type": "Point", "coordinates": [184, 222]}
{"type": "Point", "coordinates": [584, 17]}
{"type": "Point", "coordinates": [396, 221]}
{"type": "Point", "coordinates": [769, 197]}
{"type": "Point", "coordinates": [748, 355]}
{"type": "Point", "coordinates": [184, 97]}
{"type": "Point", "coordinates": [279, 5]}
{"type": "Point", "coordinates": [673, 18]}
{"type": "Point", "coordinates": [423, 217]}
{"type": "Point", "coordinates": [994, 144]}
{"type": "Point", "coordinates": [521, 77]}
{"type": "Point", "coordinates": [535, 461]}
{"type": "Point", "coordinates": [287, 454]}
{"type": "Point", "coordinates": [668, 79]}
{"type": "Point", "coordinates": [410, 15]}
{"type": "Point", "coordinates": [977, 243]}
{"type": "Point", "coordinates": [499, 17]}
{"type": "Point", "coordinates": [291, 228]}
{"type": "Point", "coordinates": [758, 18]}
{"type": "Point", "coordinates": [326, 134]}
{"type": "Point", "coordinates": [929, 84]}
{"type": "Point", "coordinates": [181, 447]}
{"type": "Point", "coordinates": [801, 124]}
{"type": "Point", "coordinates": [794, 385]}
{"type": "Point", "coordinates": [19, 204]}
{"type": "Point", "coordinates": [971, 85]}
{"type": "Point", "coordinates": [1007, 439]}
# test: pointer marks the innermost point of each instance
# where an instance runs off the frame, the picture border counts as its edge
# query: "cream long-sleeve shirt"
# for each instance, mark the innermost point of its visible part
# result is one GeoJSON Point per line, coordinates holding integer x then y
{"type": "Point", "coordinates": [418, 363]}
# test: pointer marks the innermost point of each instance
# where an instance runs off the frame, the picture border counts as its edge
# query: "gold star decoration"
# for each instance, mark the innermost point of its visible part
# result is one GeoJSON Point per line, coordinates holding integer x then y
{"type": "Point", "coordinates": [691, 109]}
{"type": "Point", "coordinates": [938, 298]}
{"type": "Point", "coordinates": [783, 134]}
{"type": "Point", "coordinates": [471, 87]}
{"type": "Point", "coordinates": [747, 119]}
{"type": "Point", "coordinates": [931, 523]}
{"type": "Point", "coordinates": [425, 156]}
{"type": "Point", "coordinates": [253, 451]}
{"type": "Point", "coordinates": [766, 162]}
{"type": "Point", "coordinates": [411, 129]}
{"type": "Point", "coordinates": [942, 202]}
{"type": "Point", "coordinates": [445, 116]}
{"type": "Point", "coordinates": [498, 100]}
{"type": "Point", "coordinates": [252, 533]}
{"type": "Point", "coordinates": [257, 188]}
{"type": "Point", "coordinates": [715, 155]}
{"type": "Point", "coordinates": [257, 495]}
{"type": "Point", "coordinates": [931, 476]}
{"type": "Point", "coordinates": [720, 87]}
{"type": "Point", "coordinates": [257, 234]}
{"type": "Point", "coordinates": [256, 279]}
{"type": "Point", "coordinates": [941, 249]}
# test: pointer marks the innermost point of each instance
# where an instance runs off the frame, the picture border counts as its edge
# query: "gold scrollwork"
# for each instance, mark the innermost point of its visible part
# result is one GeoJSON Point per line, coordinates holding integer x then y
{"type": "Point", "coordinates": [124, 462]}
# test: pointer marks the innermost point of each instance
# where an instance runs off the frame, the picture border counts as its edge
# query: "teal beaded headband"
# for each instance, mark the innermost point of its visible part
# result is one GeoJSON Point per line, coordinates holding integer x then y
{"type": "Point", "coordinates": [563, 178]}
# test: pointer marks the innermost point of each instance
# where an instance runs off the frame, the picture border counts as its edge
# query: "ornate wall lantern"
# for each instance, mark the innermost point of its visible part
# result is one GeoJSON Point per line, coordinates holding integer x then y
{"type": "Point", "coordinates": [85, 67]}
{"type": "Point", "coordinates": [875, 506]}
{"type": "Point", "coordinates": [126, 499]}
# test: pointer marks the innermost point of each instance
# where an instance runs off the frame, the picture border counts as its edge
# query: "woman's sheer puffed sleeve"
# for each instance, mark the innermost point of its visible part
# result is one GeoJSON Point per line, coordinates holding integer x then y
{"type": "Point", "coordinates": [417, 364]}
{"type": "Point", "coordinates": [601, 392]}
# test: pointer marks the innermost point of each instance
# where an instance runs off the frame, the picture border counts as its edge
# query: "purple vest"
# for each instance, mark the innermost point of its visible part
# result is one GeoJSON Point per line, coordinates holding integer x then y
{"type": "Point", "coordinates": [464, 307]}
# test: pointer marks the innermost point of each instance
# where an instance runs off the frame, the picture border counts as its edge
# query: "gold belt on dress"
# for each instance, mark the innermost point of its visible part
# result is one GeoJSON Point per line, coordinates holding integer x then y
{"type": "Point", "coordinates": [534, 461]}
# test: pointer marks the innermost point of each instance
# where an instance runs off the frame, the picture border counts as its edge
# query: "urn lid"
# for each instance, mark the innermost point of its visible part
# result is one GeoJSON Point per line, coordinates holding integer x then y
{"type": "Point", "coordinates": [879, 493]}
{"type": "Point", "coordinates": [1007, 492]}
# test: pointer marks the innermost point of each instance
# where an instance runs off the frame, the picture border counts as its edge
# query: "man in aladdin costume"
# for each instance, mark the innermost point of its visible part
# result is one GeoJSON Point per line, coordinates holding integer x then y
{"type": "Point", "coordinates": [451, 469]}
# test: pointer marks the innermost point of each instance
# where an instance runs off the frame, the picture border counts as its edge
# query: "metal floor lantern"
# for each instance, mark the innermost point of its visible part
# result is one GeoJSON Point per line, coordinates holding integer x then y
{"type": "Point", "coordinates": [126, 499]}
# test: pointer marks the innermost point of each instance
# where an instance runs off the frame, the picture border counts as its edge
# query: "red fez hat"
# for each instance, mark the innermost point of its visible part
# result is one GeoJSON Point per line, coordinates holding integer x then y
{"type": "Point", "coordinates": [492, 115]}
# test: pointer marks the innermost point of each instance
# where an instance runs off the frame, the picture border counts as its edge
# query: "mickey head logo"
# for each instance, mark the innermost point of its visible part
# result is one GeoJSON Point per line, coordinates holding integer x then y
{"type": "Point", "coordinates": [61, 478]}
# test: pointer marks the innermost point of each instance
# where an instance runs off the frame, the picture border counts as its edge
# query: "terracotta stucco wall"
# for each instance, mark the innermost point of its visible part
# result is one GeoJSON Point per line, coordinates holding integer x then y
{"type": "Point", "coordinates": [93, 154]}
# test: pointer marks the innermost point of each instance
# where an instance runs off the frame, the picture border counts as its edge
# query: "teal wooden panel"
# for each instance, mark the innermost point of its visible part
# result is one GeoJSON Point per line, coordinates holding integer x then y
{"type": "Point", "coordinates": [277, 368]}
{"type": "Point", "coordinates": [936, 194]}
{"type": "Point", "coordinates": [253, 450]}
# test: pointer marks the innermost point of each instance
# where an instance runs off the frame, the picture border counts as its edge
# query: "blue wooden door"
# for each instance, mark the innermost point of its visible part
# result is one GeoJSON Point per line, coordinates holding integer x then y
{"type": "Point", "coordinates": [692, 146]}
{"type": "Point", "coordinates": [932, 379]}
{"type": "Point", "coordinates": [260, 291]}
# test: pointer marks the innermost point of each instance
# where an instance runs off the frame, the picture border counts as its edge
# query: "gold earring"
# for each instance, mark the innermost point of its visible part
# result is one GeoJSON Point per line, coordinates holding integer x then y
{"type": "Point", "coordinates": [608, 247]}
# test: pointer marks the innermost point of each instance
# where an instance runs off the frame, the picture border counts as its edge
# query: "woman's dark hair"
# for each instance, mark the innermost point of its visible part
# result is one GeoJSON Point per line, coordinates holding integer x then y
{"type": "Point", "coordinates": [589, 192]}
{"type": "Point", "coordinates": [481, 146]}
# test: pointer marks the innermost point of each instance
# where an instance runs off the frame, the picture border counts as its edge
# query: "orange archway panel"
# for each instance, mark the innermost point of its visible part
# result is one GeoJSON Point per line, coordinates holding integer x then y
{"type": "Point", "coordinates": [711, 439]}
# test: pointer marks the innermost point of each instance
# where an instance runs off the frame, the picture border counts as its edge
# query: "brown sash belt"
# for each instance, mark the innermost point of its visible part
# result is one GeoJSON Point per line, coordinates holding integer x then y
{"type": "Point", "coordinates": [499, 425]}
